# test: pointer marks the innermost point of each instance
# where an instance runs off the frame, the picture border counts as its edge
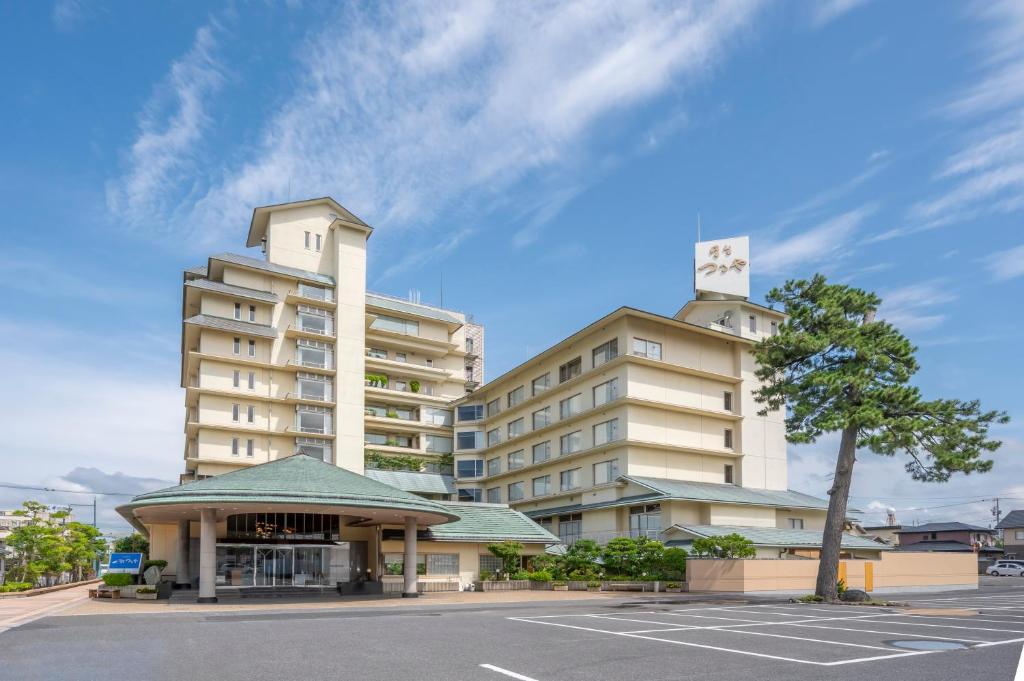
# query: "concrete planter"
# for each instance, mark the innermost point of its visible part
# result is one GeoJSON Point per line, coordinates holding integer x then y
{"type": "Point", "coordinates": [630, 586]}
{"type": "Point", "coordinates": [146, 596]}
{"type": "Point", "coordinates": [577, 585]}
{"type": "Point", "coordinates": [540, 586]}
{"type": "Point", "coordinates": [559, 587]}
{"type": "Point", "coordinates": [509, 585]}
{"type": "Point", "coordinates": [594, 588]}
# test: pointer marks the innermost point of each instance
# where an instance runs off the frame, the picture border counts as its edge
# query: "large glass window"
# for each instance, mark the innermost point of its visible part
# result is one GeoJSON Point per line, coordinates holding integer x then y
{"type": "Point", "coordinates": [571, 442]}
{"type": "Point", "coordinates": [318, 449]}
{"type": "Point", "coordinates": [542, 451]}
{"type": "Point", "coordinates": [493, 407]}
{"type": "Point", "coordinates": [515, 460]}
{"type": "Point", "coordinates": [316, 292]}
{"type": "Point", "coordinates": [605, 352]}
{"type": "Point", "coordinates": [569, 479]}
{"type": "Point", "coordinates": [377, 353]}
{"type": "Point", "coordinates": [313, 419]}
{"type": "Point", "coordinates": [442, 563]}
{"type": "Point", "coordinates": [645, 521]}
{"type": "Point", "coordinates": [494, 466]}
{"type": "Point", "coordinates": [570, 528]}
{"type": "Point", "coordinates": [515, 491]}
{"type": "Point", "coordinates": [606, 471]}
{"type": "Point", "coordinates": [606, 392]}
{"type": "Point", "coordinates": [438, 444]}
{"type": "Point", "coordinates": [313, 386]}
{"type": "Point", "coordinates": [469, 439]}
{"type": "Point", "coordinates": [493, 495]}
{"type": "Point", "coordinates": [471, 412]}
{"type": "Point", "coordinates": [606, 432]}
{"type": "Point", "coordinates": [570, 369]}
{"type": "Point", "coordinates": [516, 428]}
{"type": "Point", "coordinates": [542, 485]}
{"type": "Point", "coordinates": [396, 325]}
{"type": "Point", "coordinates": [540, 384]}
{"type": "Point", "coordinates": [394, 564]}
{"type": "Point", "coordinates": [311, 353]}
{"type": "Point", "coordinates": [471, 494]}
{"type": "Point", "coordinates": [646, 348]}
{"type": "Point", "coordinates": [284, 526]}
{"type": "Point", "coordinates": [516, 396]}
{"type": "Point", "coordinates": [541, 418]}
{"type": "Point", "coordinates": [469, 468]}
{"type": "Point", "coordinates": [493, 437]}
{"type": "Point", "coordinates": [436, 417]}
{"type": "Point", "coordinates": [570, 406]}
{"type": "Point", "coordinates": [315, 320]}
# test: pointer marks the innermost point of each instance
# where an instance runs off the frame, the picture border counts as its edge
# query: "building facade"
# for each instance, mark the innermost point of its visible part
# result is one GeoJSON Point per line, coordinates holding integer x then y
{"type": "Point", "coordinates": [1012, 527]}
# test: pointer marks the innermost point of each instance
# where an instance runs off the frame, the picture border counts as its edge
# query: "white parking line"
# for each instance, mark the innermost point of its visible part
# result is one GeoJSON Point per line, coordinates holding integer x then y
{"type": "Point", "coordinates": [801, 638]}
{"type": "Point", "coordinates": [508, 673]}
{"type": "Point", "coordinates": [626, 619]}
{"type": "Point", "coordinates": [890, 633]}
{"type": "Point", "coordinates": [952, 626]}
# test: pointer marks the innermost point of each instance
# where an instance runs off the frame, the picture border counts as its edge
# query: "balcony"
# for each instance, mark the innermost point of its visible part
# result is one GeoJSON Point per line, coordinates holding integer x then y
{"type": "Point", "coordinates": [311, 297]}
{"type": "Point", "coordinates": [302, 331]}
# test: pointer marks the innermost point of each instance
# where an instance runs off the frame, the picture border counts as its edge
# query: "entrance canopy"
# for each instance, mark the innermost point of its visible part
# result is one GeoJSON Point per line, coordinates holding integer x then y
{"type": "Point", "coordinates": [296, 483]}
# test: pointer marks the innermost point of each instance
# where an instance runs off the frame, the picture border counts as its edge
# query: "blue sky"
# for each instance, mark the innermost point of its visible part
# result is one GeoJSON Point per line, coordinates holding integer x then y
{"type": "Point", "coordinates": [550, 159]}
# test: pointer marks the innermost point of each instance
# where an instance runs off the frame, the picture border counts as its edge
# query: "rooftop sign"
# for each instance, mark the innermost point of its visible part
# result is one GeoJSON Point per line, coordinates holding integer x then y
{"type": "Point", "coordinates": [723, 266]}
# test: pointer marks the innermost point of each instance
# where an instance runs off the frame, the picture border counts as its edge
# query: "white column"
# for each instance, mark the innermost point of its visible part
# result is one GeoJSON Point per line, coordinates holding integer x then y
{"type": "Point", "coordinates": [411, 578]}
{"type": "Point", "coordinates": [208, 556]}
{"type": "Point", "coordinates": [182, 576]}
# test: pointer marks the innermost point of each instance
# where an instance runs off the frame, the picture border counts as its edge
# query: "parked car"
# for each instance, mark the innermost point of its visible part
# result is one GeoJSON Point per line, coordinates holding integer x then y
{"type": "Point", "coordinates": [1003, 568]}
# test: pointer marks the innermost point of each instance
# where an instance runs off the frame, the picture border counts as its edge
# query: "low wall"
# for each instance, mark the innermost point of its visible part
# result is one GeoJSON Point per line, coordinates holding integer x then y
{"type": "Point", "coordinates": [892, 572]}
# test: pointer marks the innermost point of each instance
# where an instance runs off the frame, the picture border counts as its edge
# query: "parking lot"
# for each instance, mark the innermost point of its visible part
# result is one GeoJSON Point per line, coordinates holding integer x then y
{"type": "Point", "coordinates": [814, 634]}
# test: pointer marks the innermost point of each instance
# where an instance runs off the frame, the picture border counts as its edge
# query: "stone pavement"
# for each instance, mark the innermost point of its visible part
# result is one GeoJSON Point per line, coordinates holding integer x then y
{"type": "Point", "coordinates": [17, 611]}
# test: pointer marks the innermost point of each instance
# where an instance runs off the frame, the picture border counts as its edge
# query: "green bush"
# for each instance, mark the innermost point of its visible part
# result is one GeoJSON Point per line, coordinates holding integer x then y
{"type": "Point", "coordinates": [727, 546]}
{"type": "Point", "coordinates": [810, 598]}
{"type": "Point", "coordinates": [519, 574]}
{"type": "Point", "coordinates": [154, 563]}
{"type": "Point", "coordinates": [486, 575]}
{"type": "Point", "coordinates": [414, 386]}
{"type": "Point", "coordinates": [117, 579]}
{"type": "Point", "coordinates": [539, 576]}
{"type": "Point", "coordinates": [145, 590]}
{"type": "Point", "coordinates": [15, 586]}
{"type": "Point", "coordinates": [558, 582]}
{"type": "Point", "coordinates": [840, 587]}
{"type": "Point", "coordinates": [593, 585]}
{"type": "Point", "coordinates": [671, 585]}
{"type": "Point", "coordinates": [508, 552]}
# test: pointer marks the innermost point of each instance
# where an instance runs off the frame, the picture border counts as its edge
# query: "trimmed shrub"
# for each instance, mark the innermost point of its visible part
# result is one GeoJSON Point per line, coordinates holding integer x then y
{"type": "Point", "coordinates": [15, 586]}
{"type": "Point", "coordinates": [117, 579]}
{"type": "Point", "coordinates": [539, 576]}
{"type": "Point", "coordinates": [145, 590]}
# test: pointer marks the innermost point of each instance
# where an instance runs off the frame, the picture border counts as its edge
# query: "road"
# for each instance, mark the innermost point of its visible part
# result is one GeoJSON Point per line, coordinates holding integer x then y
{"type": "Point", "coordinates": [979, 633]}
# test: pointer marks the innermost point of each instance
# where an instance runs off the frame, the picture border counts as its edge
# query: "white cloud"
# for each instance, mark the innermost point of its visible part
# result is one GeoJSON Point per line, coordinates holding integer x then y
{"type": "Point", "coordinates": [22, 270]}
{"type": "Point", "coordinates": [408, 111]}
{"type": "Point", "coordinates": [827, 11]}
{"type": "Point", "coordinates": [163, 157]}
{"type": "Point", "coordinates": [67, 15]}
{"type": "Point", "coordinates": [913, 307]}
{"type": "Point", "coordinates": [1007, 264]}
{"type": "Point", "coordinates": [826, 242]}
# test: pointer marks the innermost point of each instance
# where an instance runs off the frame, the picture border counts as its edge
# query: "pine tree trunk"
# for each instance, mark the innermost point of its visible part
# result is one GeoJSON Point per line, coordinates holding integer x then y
{"type": "Point", "coordinates": [839, 494]}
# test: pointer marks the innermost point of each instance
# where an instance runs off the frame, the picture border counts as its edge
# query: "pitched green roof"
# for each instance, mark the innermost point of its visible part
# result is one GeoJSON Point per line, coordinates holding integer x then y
{"type": "Point", "coordinates": [727, 494]}
{"type": "Point", "coordinates": [408, 307]}
{"type": "Point", "coordinates": [256, 263]}
{"type": "Point", "coordinates": [424, 483]}
{"type": "Point", "coordinates": [777, 537]}
{"type": "Point", "coordinates": [297, 479]}
{"type": "Point", "coordinates": [232, 325]}
{"type": "Point", "coordinates": [490, 522]}
{"type": "Point", "coordinates": [230, 289]}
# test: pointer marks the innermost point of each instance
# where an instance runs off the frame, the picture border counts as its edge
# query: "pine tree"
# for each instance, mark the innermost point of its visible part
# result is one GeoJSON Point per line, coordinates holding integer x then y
{"type": "Point", "coordinates": [837, 369]}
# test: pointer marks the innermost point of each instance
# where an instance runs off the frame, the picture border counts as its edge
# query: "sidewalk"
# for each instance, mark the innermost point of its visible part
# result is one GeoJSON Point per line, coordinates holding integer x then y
{"type": "Point", "coordinates": [15, 612]}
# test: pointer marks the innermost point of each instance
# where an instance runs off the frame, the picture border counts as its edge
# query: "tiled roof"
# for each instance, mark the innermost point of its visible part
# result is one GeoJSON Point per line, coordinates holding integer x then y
{"type": "Point", "coordinates": [297, 479]}
{"type": "Point", "coordinates": [576, 508]}
{"type": "Point", "coordinates": [398, 305]}
{"type": "Point", "coordinates": [942, 527]}
{"type": "Point", "coordinates": [490, 522]}
{"type": "Point", "coordinates": [773, 536]}
{"type": "Point", "coordinates": [198, 269]}
{"type": "Point", "coordinates": [939, 546]}
{"type": "Point", "coordinates": [258, 264]}
{"type": "Point", "coordinates": [727, 494]}
{"type": "Point", "coordinates": [1012, 519]}
{"type": "Point", "coordinates": [233, 325]}
{"type": "Point", "coordinates": [240, 291]}
{"type": "Point", "coordinates": [429, 483]}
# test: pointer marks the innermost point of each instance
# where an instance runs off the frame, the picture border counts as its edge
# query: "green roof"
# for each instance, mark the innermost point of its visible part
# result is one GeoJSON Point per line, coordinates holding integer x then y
{"type": "Point", "coordinates": [490, 522]}
{"type": "Point", "coordinates": [686, 490]}
{"type": "Point", "coordinates": [233, 325]}
{"type": "Point", "coordinates": [777, 537]}
{"type": "Point", "coordinates": [423, 483]}
{"type": "Point", "coordinates": [256, 263]}
{"type": "Point", "coordinates": [408, 307]}
{"type": "Point", "coordinates": [230, 289]}
{"type": "Point", "coordinates": [297, 479]}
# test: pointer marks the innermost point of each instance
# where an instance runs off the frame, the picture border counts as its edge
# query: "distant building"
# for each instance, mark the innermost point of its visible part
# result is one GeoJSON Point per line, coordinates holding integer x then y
{"type": "Point", "coordinates": [1012, 527]}
{"type": "Point", "coordinates": [946, 537]}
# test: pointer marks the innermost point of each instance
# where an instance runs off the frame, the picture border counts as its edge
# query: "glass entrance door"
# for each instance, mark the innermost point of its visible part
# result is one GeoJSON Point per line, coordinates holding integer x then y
{"type": "Point", "coordinates": [274, 566]}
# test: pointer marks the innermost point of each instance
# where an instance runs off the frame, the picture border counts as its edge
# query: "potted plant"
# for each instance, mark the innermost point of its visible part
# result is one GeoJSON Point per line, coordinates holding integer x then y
{"type": "Point", "coordinates": [593, 586]}
{"type": "Point", "coordinates": [673, 587]}
{"type": "Point", "coordinates": [560, 585]}
{"type": "Point", "coordinates": [146, 593]}
{"type": "Point", "coordinates": [414, 386]}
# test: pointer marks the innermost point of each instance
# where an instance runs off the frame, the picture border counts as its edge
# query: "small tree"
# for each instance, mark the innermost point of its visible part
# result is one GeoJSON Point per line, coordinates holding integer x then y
{"type": "Point", "coordinates": [582, 558]}
{"type": "Point", "coordinates": [673, 563]}
{"type": "Point", "coordinates": [132, 543]}
{"type": "Point", "coordinates": [840, 370]}
{"type": "Point", "coordinates": [621, 556]}
{"type": "Point", "coordinates": [727, 546]}
{"type": "Point", "coordinates": [85, 545]}
{"type": "Point", "coordinates": [509, 553]}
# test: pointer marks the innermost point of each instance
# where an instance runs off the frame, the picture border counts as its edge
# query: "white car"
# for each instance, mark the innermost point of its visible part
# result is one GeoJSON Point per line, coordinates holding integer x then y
{"type": "Point", "coordinates": [1006, 569]}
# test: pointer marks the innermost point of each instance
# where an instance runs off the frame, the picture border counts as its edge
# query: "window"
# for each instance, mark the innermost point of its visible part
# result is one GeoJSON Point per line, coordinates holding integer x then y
{"type": "Point", "coordinates": [570, 406]}
{"type": "Point", "coordinates": [645, 521]}
{"type": "Point", "coordinates": [252, 380]}
{"type": "Point", "coordinates": [436, 417]}
{"type": "Point", "coordinates": [606, 432]}
{"type": "Point", "coordinates": [314, 353]}
{"type": "Point", "coordinates": [234, 446]}
{"type": "Point", "coordinates": [728, 474]}
{"type": "Point", "coordinates": [406, 327]}
{"type": "Point", "coordinates": [438, 444]}
{"type": "Point", "coordinates": [234, 413]}
{"type": "Point", "coordinates": [489, 563]}
{"type": "Point", "coordinates": [516, 428]}
{"type": "Point", "coordinates": [516, 396]}
{"type": "Point", "coordinates": [313, 419]}
{"type": "Point", "coordinates": [470, 439]}
{"type": "Point", "coordinates": [493, 407]}
{"type": "Point", "coordinates": [315, 320]}
{"type": "Point", "coordinates": [430, 362]}
{"type": "Point", "coordinates": [542, 451]}
{"type": "Point", "coordinates": [570, 369]}
{"type": "Point", "coordinates": [377, 353]}
{"type": "Point", "coordinates": [727, 400]}
{"type": "Point", "coordinates": [238, 310]}
{"type": "Point", "coordinates": [471, 494]}
{"type": "Point", "coordinates": [542, 486]}
{"type": "Point", "coordinates": [250, 448]}
{"type": "Point", "coordinates": [515, 491]}
{"type": "Point", "coordinates": [307, 240]}
{"type": "Point", "coordinates": [727, 438]}
{"type": "Point", "coordinates": [237, 346]}
{"type": "Point", "coordinates": [753, 323]}
{"type": "Point", "coordinates": [494, 466]}
{"type": "Point", "coordinates": [469, 374]}
{"type": "Point", "coordinates": [606, 472]}
{"type": "Point", "coordinates": [606, 392]}
{"type": "Point", "coordinates": [252, 348]}
{"type": "Point", "coordinates": [796, 523]}
{"type": "Point", "coordinates": [470, 412]}
{"type": "Point", "coordinates": [400, 357]}
{"type": "Point", "coordinates": [570, 527]}
{"type": "Point", "coordinates": [319, 242]}
{"type": "Point", "coordinates": [469, 346]}
{"type": "Point", "coordinates": [572, 442]}
{"type": "Point", "coordinates": [569, 479]}
{"type": "Point", "coordinates": [515, 460]}
{"type": "Point", "coordinates": [314, 387]}
{"type": "Point", "coordinates": [236, 378]}
{"type": "Point", "coordinates": [775, 328]}
{"type": "Point", "coordinates": [318, 449]}
{"type": "Point", "coordinates": [493, 495]}
{"type": "Point", "coordinates": [250, 414]}
{"type": "Point", "coordinates": [394, 563]}
{"type": "Point", "coordinates": [540, 384]}
{"type": "Point", "coordinates": [646, 348]}
{"type": "Point", "coordinates": [541, 418]}
{"type": "Point", "coordinates": [469, 468]}
{"type": "Point", "coordinates": [316, 292]}
{"type": "Point", "coordinates": [443, 563]}
{"type": "Point", "coordinates": [252, 313]}
{"type": "Point", "coordinates": [1018, 534]}
{"type": "Point", "coordinates": [493, 437]}
{"type": "Point", "coordinates": [605, 352]}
